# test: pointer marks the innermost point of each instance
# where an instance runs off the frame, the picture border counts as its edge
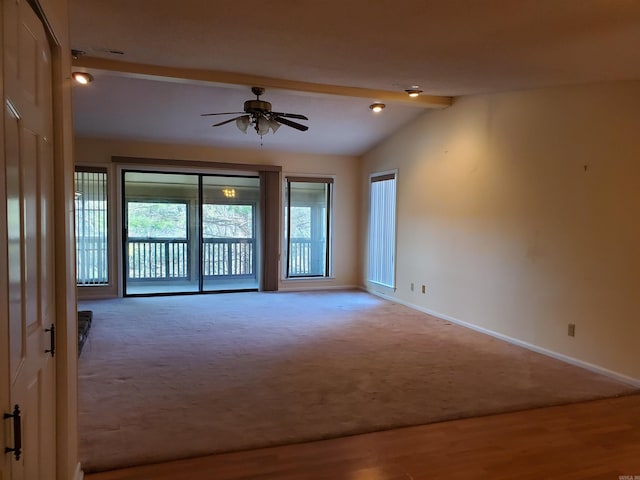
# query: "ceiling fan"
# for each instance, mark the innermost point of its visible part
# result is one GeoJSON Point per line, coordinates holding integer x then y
{"type": "Point", "coordinates": [257, 113]}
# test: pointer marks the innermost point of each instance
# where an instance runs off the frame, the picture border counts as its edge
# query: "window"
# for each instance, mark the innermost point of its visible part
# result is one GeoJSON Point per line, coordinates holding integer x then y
{"type": "Point", "coordinates": [92, 247]}
{"type": "Point", "coordinates": [157, 220]}
{"type": "Point", "coordinates": [228, 237]}
{"type": "Point", "coordinates": [227, 221]}
{"type": "Point", "coordinates": [382, 229]}
{"type": "Point", "coordinates": [307, 220]}
{"type": "Point", "coordinates": [157, 238]}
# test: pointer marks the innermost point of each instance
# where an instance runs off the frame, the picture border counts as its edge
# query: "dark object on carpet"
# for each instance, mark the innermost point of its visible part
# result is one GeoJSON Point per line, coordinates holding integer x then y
{"type": "Point", "coordinates": [84, 324]}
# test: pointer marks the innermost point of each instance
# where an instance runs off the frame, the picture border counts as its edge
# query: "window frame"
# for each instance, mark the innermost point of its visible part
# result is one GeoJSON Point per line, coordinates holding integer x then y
{"type": "Point", "coordinates": [329, 181]}
{"type": "Point", "coordinates": [107, 225]}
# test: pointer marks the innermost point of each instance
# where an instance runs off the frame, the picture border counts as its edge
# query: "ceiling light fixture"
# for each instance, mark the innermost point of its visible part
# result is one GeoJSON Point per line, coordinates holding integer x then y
{"type": "Point", "coordinates": [83, 78]}
{"type": "Point", "coordinates": [258, 114]}
{"type": "Point", "coordinates": [229, 192]}
{"type": "Point", "coordinates": [413, 91]}
{"type": "Point", "coordinates": [377, 107]}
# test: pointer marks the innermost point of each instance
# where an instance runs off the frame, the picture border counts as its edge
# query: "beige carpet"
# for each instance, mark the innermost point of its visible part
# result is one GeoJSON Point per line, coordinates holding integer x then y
{"type": "Point", "coordinates": [172, 377]}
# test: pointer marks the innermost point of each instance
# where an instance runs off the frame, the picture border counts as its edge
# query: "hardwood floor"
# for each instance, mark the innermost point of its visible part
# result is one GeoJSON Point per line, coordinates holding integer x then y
{"type": "Point", "coordinates": [591, 440]}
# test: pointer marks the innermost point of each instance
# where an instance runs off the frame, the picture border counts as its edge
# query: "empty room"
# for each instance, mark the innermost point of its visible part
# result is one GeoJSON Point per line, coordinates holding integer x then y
{"type": "Point", "coordinates": [321, 240]}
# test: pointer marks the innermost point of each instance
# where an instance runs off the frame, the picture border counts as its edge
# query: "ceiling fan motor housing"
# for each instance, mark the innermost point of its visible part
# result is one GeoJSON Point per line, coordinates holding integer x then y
{"type": "Point", "coordinates": [257, 106]}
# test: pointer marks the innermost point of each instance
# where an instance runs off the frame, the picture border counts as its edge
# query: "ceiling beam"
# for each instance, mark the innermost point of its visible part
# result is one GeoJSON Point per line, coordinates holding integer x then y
{"type": "Point", "coordinates": [230, 79]}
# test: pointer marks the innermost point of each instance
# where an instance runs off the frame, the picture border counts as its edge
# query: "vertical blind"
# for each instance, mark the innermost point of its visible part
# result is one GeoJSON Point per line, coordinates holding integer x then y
{"type": "Point", "coordinates": [382, 230]}
{"type": "Point", "coordinates": [92, 264]}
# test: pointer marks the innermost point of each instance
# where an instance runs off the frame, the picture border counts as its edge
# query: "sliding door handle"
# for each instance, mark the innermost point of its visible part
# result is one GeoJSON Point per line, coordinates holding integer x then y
{"type": "Point", "coordinates": [52, 340]}
{"type": "Point", "coordinates": [17, 432]}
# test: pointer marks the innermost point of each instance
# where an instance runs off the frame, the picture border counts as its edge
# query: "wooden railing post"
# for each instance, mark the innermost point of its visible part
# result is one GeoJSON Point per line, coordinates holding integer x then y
{"type": "Point", "coordinates": [166, 259]}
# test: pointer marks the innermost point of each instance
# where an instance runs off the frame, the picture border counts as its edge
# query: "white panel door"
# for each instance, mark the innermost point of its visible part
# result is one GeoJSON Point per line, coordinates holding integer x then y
{"type": "Point", "coordinates": [29, 202]}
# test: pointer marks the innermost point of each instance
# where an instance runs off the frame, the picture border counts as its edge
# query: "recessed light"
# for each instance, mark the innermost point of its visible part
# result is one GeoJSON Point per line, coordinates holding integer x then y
{"type": "Point", "coordinates": [377, 107]}
{"type": "Point", "coordinates": [413, 92]}
{"type": "Point", "coordinates": [83, 78]}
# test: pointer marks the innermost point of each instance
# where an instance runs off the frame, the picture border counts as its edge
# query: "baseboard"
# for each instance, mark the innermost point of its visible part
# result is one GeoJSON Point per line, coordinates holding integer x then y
{"type": "Point", "coordinates": [302, 288]}
{"type": "Point", "coordinates": [529, 346]}
{"type": "Point", "coordinates": [79, 473]}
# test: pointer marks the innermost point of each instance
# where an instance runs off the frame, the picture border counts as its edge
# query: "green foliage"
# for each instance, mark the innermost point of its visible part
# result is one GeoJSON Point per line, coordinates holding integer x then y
{"type": "Point", "coordinates": [227, 221]}
{"type": "Point", "coordinates": [157, 220]}
{"type": "Point", "coordinates": [169, 220]}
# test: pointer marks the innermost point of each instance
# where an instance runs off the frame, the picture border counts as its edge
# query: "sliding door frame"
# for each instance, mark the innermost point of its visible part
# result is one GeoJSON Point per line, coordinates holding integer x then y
{"type": "Point", "coordinates": [189, 235]}
{"type": "Point", "coordinates": [269, 216]}
{"type": "Point", "coordinates": [257, 232]}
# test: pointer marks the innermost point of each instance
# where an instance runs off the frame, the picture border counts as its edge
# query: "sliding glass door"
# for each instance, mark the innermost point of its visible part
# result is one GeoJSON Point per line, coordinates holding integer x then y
{"type": "Point", "coordinates": [161, 233]}
{"type": "Point", "coordinates": [189, 233]}
{"type": "Point", "coordinates": [229, 248]}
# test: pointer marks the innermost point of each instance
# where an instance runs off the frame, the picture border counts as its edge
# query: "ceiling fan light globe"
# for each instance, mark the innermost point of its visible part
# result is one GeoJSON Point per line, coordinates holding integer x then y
{"type": "Point", "coordinates": [262, 125]}
{"type": "Point", "coordinates": [274, 125]}
{"type": "Point", "coordinates": [243, 123]}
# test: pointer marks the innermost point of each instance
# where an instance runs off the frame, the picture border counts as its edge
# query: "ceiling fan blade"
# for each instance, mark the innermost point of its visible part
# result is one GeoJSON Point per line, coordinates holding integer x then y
{"type": "Point", "coordinates": [289, 115]}
{"type": "Point", "coordinates": [227, 121]}
{"type": "Point", "coordinates": [225, 113]}
{"type": "Point", "coordinates": [289, 123]}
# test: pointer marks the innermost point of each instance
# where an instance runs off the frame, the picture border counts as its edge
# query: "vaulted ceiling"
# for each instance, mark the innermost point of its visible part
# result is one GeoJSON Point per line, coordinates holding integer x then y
{"type": "Point", "coordinates": [329, 60]}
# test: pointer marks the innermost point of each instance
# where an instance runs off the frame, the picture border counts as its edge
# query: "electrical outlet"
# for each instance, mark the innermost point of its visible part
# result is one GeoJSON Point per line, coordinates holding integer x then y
{"type": "Point", "coordinates": [424, 289]}
{"type": "Point", "coordinates": [571, 331]}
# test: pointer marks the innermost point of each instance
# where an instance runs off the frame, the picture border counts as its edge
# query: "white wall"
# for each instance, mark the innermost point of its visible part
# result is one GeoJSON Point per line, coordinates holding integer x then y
{"type": "Point", "coordinates": [346, 192]}
{"type": "Point", "coordinates": [520, 212]}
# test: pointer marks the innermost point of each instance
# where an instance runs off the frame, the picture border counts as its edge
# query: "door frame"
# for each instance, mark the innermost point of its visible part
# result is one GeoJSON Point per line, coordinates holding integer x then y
{"type": "Point", "coordinates": [194, 228]}
{"type": "Point", "coordinates": [270, 200]}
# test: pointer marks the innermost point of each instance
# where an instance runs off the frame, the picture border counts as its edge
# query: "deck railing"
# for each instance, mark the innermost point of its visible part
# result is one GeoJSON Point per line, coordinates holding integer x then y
{"type": "Point", "coordinates": [170, 258]}
{"type": "Point", "coordinates": [158, 258]}
{"type": "Point", "coordinates": [228, 257]}
{"type": "Point", "coordinates": [306, 257]}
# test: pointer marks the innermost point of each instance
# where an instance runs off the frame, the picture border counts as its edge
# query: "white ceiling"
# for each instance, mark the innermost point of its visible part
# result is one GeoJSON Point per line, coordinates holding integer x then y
{"type": "Point", "coordinates": [452, 47]}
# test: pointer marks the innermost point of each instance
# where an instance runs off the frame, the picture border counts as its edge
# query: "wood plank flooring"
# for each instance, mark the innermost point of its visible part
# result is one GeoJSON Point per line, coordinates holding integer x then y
{"type": "Point", "coordinates": [591, 440]}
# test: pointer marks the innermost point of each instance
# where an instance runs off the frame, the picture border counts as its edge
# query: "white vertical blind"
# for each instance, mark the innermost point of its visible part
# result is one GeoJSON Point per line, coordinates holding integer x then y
{"type": "Point", "coordinates": [382, 230]}
{"type": "Point", "coordinates": [92, 267]}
